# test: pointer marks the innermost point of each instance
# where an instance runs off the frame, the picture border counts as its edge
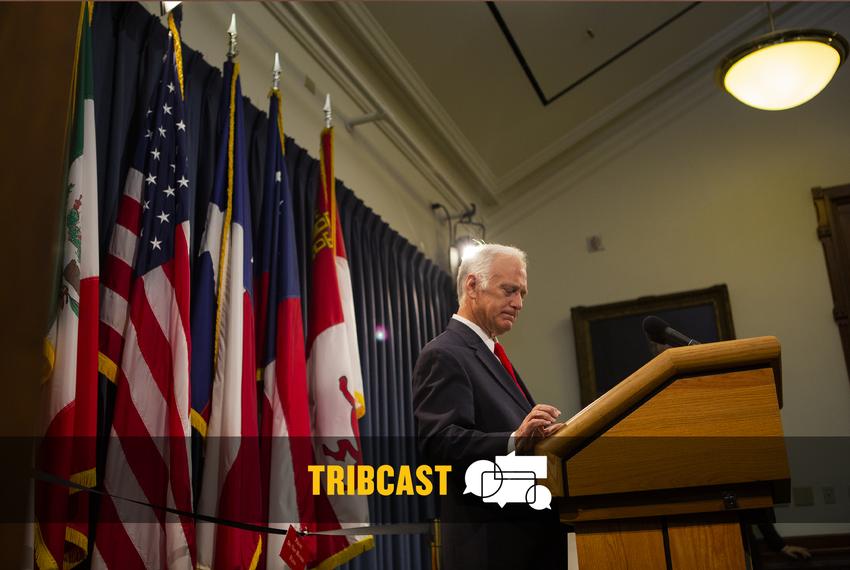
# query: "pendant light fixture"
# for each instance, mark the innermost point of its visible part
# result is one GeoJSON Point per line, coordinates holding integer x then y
{"type": "Point", "coordinates": [782, 69]}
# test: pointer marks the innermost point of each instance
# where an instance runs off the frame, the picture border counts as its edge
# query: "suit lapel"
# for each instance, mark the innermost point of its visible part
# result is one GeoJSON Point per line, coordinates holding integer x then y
{"type": "Point", "coordinates": [501, 375]}
{"type": "Point", "coordinates": [491, 362]}
{"type": "Point", "coordinates": [524, 387]}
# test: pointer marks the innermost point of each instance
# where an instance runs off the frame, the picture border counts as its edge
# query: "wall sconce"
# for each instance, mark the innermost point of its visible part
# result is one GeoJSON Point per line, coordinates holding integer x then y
{"type": "Point", "coordinates": [464, 232]}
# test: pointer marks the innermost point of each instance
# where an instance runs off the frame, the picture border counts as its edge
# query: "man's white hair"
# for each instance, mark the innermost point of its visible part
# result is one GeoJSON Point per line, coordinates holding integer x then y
{"type": "Point", "coordinates": [478, 261]}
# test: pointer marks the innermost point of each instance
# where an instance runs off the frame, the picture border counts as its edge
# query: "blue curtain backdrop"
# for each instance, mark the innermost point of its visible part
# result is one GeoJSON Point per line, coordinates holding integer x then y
{"type": "Point", "coordinates": [401, 298]}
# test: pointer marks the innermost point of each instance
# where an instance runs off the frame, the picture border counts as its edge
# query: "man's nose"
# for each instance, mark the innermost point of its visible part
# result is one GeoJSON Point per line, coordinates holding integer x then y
{"type": "Point", "coordinates": [516, 301]}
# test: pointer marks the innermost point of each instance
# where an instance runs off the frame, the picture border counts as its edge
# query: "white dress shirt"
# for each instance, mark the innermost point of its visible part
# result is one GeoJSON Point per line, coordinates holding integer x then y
{"type": "Point", "coordinates": [491, 343]}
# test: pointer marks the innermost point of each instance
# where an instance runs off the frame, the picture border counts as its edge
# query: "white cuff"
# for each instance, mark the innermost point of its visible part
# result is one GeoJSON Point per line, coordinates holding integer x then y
{"type": "Point", "coordinates": [512, 443]}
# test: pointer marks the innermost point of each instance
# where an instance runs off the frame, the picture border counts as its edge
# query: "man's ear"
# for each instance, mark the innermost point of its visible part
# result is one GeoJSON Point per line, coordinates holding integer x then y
{"type": "Point", "coordinates": [471, 283]}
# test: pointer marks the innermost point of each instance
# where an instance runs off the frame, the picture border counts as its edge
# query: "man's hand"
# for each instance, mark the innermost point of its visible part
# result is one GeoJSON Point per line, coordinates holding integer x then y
{"type": "Point", "coordinates": [533, 427]}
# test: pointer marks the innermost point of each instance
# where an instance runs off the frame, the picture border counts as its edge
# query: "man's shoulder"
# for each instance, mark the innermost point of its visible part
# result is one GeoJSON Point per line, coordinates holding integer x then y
{"type": "Point", "coordinates": [448, 341]}
{"type": "Point", "coordinates": [448, 351]}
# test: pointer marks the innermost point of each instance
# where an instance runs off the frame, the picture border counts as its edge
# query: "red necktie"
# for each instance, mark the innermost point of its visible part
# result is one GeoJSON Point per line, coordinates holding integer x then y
{"type": "Point", "coordinates": [499, 351]}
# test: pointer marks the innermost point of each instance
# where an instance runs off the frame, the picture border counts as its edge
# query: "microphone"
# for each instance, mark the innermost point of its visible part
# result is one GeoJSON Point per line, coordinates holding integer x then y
{"type": "Point", "coordinates": [659, 331]}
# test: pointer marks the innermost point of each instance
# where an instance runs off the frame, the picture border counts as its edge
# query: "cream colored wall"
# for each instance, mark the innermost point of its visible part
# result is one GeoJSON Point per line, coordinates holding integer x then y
{"type": "Point", "coordinates": [365, 160]}
{"type": "Point", "coordinates": [719, 193]}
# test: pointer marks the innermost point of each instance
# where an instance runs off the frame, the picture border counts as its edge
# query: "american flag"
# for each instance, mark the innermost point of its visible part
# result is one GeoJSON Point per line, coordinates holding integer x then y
{"type": "Point", "coordinates": [145, 345]}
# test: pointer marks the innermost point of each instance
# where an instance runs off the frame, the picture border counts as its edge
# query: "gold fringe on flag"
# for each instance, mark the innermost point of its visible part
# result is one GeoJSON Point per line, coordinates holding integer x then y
{"type": "Point", "coordinates": [228, 216]}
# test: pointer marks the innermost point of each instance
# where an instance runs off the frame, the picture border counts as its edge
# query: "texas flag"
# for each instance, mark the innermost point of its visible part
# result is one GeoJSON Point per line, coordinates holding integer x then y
{"type": "Point", "coordinates": [230, 487]}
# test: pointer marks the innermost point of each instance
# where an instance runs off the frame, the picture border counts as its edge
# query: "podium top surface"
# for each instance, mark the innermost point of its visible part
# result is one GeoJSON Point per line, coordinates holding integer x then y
{"type": "Point", "coordinates": [682, 361]}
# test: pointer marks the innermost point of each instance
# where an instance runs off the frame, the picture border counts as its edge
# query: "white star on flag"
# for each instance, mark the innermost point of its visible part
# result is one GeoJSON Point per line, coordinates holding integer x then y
{"type": "Point", "coordinates": [277, 176]}
{"type": "Point", "coordinates": [148, 112]}
{"type": "Point", "coordinates": [172, 166]}
{"type": "Point", "coordinates": [184, 182]}
{"type": "Point", "coordinates": [169, 191]}
{"type": "Point", "coordinates": [149, 134]}
{"type": "Point", "coordinates": [181, 126]}
{"type": "Point", "coordinates": [153, 282]}
{"type": "Point", "coordinates": [151, 179]}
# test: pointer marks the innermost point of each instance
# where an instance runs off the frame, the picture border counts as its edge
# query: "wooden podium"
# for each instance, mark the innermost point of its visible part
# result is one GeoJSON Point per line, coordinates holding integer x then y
{"type": "Point", "coordinates": [658, 472]}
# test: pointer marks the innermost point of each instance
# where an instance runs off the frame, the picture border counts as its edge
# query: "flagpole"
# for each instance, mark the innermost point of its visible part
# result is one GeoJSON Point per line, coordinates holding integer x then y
{"type": "Point", "coordinates": [232, 50]}
{"type": "Point", "coordinates": [327, 168]}
{"type": "Point", "coordinates": [276, 72]}
{"type": "Point", "coordinates": [327, 110]}
{"type": "Point", "coordinates": [275, 92]}
{"type": "Point", "coordinates": [166, 7]}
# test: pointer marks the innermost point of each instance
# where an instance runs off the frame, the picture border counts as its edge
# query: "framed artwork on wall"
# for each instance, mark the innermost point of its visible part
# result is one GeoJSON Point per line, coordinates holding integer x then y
{"type": "Point", "coordinates": [832, 206]}
{"type": "Point", "coordinates": [610, 342]}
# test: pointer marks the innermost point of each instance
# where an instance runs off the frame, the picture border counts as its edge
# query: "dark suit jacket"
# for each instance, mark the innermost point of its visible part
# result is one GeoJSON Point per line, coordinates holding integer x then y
{"type": "Point", "coordinates": [466, 406]}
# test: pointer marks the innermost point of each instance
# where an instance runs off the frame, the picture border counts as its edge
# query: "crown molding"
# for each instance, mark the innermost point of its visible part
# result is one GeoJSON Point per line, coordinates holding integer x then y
{"type": "Point", "coordinates": [668, 95]}
{"type": "Point", "coordinates": [423, 131]}
{"type": "Point", "coordinates": [500, 190]}
{"type": "Point", "coordinates": [300, 24]}
{"type": "Point", "coordinates": [654, 86]}
{"type": "Point", "coordinates": [357, 18]}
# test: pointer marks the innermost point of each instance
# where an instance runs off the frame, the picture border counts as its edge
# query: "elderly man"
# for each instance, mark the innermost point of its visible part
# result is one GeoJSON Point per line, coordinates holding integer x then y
{"type": "Point", "coordinates": [470, 403]}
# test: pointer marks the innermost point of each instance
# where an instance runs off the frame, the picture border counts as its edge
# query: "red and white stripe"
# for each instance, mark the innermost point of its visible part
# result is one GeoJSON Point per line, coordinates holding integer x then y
{"type": "Point", "coordinates": [118, 275]}
{"type": "Point", "coordinates": [145, 327]}
{"type": "Point", "coordinates": [231, 480]}
{"type": "Point", "coordinates": [286, 429]}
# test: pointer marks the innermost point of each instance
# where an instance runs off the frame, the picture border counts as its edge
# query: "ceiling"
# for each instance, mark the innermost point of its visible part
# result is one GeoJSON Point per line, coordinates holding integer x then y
{"type": "Point", "coordinates": [467, 72]}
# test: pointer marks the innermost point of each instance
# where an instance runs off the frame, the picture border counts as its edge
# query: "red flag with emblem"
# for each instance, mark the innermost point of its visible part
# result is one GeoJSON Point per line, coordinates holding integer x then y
{"type": "Point", "coordinates": [333, 370]}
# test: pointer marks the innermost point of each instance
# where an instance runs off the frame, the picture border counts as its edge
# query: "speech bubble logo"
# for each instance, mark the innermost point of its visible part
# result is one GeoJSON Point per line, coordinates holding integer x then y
{"type": "Point", "coordinates": [492, 487]}
{"type": "Point", "coordinates": [539, 497]}
{"type": "Point", "coordinates": [474, 478]}
{"type": "Point", "coordinates": [518, 466]}
{"type": "Point", "coordinates": [510, 479]}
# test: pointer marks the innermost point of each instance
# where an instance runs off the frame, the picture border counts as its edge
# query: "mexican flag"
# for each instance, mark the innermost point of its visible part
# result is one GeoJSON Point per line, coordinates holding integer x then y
{"type": "Point", "coordinates": [67, 450]}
